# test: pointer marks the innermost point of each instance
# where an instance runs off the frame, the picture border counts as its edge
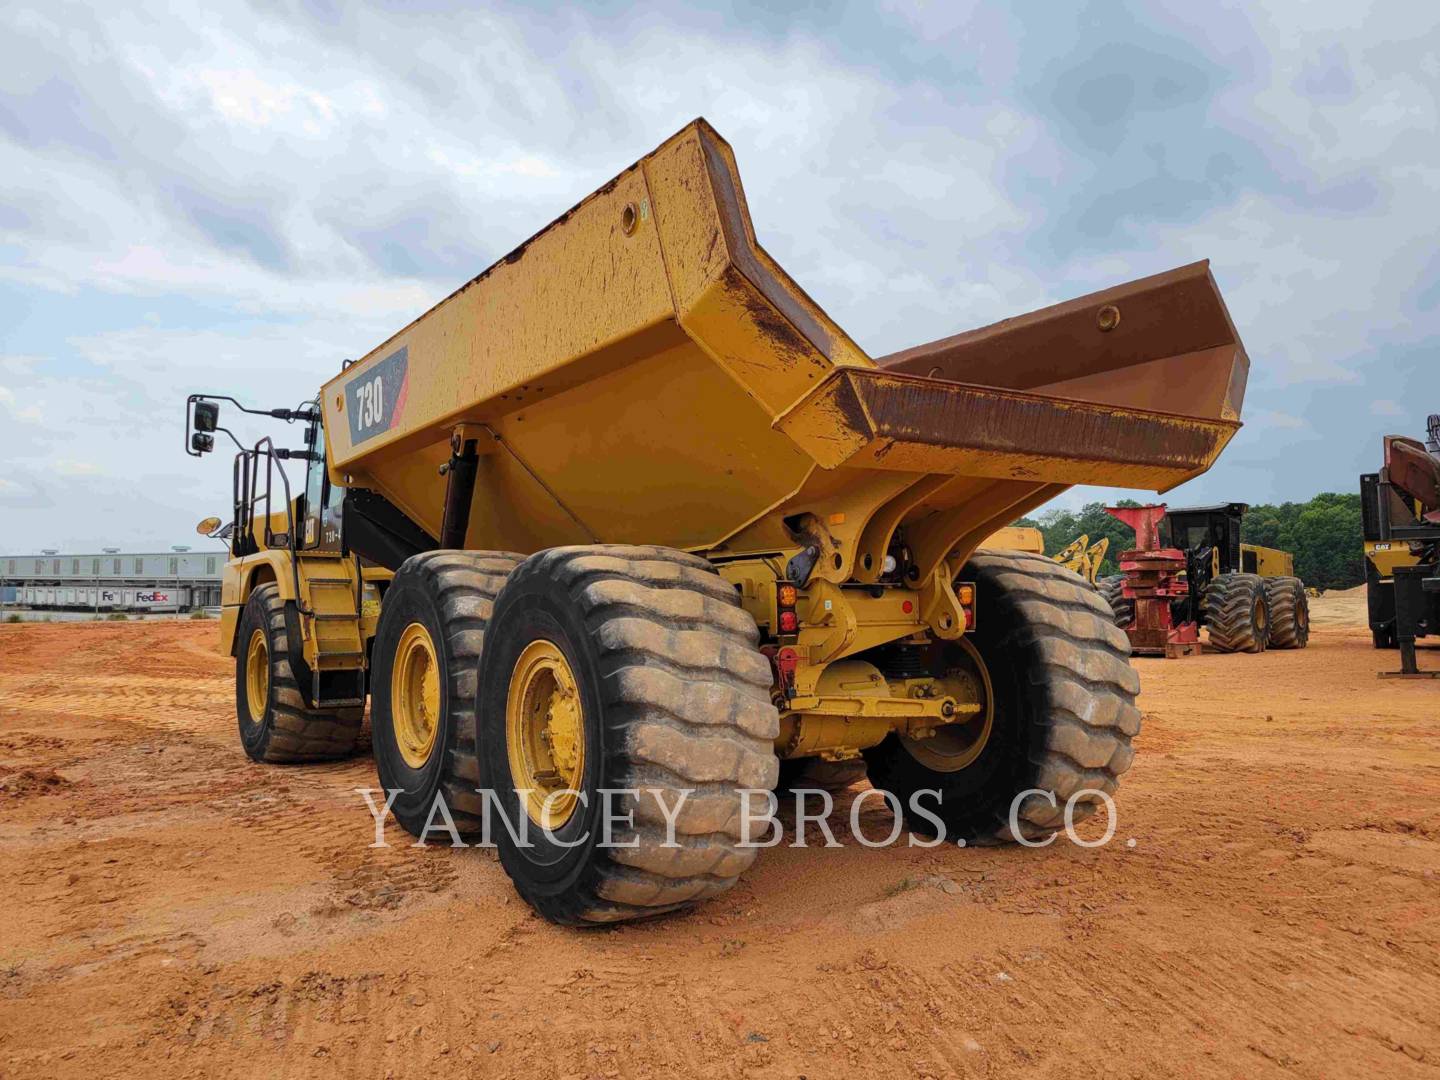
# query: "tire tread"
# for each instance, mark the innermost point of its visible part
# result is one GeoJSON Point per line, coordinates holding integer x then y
{"type": "Point", "coordinates": [687, 693]}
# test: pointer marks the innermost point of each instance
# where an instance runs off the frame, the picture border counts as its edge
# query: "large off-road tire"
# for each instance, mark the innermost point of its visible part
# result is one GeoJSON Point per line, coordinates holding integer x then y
{"type": "Point", "coordinates": [1112, 589]}
{"type": "Point", "coordinates": [616, 667]}
{"type": "Point", "coordinates": [1289, 613]}
{"type": "Point", "coordinates": [275, 725]}
{"type": "Point", "coordinates": [1062, 694]}
{"type": "Point", "coordinates": [1237, 614]}
{"type": "Point", "coordinates": [432, 630]}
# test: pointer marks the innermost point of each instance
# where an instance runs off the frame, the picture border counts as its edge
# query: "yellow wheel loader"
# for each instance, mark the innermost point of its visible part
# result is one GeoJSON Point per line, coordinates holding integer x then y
{"type": "Point", "coordinates": [629, 512]}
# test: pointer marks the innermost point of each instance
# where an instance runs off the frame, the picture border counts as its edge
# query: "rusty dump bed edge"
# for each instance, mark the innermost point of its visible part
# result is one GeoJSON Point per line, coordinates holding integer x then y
{"type": "Point", "coordinates": [915, 424]}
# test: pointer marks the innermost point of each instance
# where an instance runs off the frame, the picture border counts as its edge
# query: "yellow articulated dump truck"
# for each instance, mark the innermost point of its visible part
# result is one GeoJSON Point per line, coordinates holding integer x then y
{"type": "Point", "coordinates": [629, 512]}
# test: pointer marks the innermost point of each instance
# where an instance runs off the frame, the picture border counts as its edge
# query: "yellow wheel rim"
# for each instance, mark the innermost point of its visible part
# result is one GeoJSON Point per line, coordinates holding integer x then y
{"type": "Point", "coordinates": [956, 746]}
{"type": "Point", "coordinates": [257, 675]}
{"type": "Point", "coordinates": [415, 695]}
{"type": "Point", "coordinates": [545, 734]}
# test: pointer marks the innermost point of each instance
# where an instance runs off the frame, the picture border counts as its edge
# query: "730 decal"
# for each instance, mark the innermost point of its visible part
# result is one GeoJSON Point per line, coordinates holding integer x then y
{"type": "Point", "coordinates": [371, 395]}
{"type": "Point", "coordinates": [375, 397]}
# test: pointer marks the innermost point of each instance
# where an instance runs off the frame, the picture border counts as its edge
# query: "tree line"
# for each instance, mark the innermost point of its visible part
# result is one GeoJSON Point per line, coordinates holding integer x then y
{"type": "Point", "coordinates": [1323, 534]}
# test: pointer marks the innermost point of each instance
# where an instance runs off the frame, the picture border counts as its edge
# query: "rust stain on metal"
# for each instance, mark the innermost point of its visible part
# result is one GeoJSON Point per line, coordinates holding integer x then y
{"type": "Point", "coordinates": [892, 411]}
{"type": "Point", "coordinates": [985, 419]}
{"type": "Point", "coordinates": [742, 252]}
{"type": "Point", "coordinates": [793, 347]}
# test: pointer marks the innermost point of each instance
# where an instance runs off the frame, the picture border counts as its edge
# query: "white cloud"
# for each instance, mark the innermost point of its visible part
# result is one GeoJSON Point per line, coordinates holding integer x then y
{"type": "Point", "coordinates": [1270, 418]}
{"type": "Point", "coordinates": [69, 467]}
{"type": "Point", "coordinates": [17, 363]}
{"type": "Point", "coordinates": [1385, 407]}
{"type": "Point", "coordinates": [26, 414]}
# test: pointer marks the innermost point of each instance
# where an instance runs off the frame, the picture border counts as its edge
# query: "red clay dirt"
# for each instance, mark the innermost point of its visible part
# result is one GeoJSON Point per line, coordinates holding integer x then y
{"type": "Point", "coordinates": [174, 910]}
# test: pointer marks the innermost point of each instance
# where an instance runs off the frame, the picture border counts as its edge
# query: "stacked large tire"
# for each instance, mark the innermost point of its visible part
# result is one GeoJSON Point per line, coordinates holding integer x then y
{"type": "Point", "coordinates": [1237, 613]}
{"type": "Point", "coordinates": [1113, 590]}
{"type": "Point", "coordinates": [676, 697]}
{"type": "Point", "coordinates": [275, 725]}
{"type": "Point", "coordinates": [1064, 709]}
{"type": "Point", "coordinates": [1289, 613]}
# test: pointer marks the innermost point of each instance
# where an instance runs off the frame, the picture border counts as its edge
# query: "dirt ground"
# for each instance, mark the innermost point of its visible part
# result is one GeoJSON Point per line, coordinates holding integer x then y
{"type": "Point", "coordinates": [1270, 905]}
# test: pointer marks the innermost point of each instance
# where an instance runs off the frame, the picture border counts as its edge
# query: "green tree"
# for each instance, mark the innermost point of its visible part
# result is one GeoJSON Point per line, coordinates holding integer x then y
{"type": "Point", "coordinates": [1323, 534]}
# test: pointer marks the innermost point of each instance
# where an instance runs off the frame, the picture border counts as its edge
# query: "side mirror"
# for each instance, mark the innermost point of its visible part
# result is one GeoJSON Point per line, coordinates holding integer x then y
{"type": "Point", "coordinates": [200, 443]}
{"type": "Point", "coordinates": [207, 415]}
{"type": "Point", "coordinates": [208, 526]}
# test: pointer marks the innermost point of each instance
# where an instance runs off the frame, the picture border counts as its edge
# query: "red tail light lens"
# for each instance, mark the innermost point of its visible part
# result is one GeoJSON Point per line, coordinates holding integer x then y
{"type": "Point", "coordinates": [787, 596]}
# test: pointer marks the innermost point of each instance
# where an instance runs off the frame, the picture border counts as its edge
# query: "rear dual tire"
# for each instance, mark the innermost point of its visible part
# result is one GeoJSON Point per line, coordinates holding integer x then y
{"type": "Point", "coordinates": [648, 651]}
{"type": "Point", "coordinates": [673, 696]}
{"type": "Point", "coordinates": [433, 625]}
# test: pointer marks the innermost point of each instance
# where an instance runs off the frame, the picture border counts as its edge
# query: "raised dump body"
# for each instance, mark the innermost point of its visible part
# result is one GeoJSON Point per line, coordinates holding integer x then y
{"type": "Point", "coordinates": [659, 527]}
{"type": "Point", "coordinates": [642, 371]}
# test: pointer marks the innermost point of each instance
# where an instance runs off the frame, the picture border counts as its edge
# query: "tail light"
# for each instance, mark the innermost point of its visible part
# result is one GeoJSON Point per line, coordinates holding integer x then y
{"type": "Point", "coordinates": [965, 593]}
{"type": "Point", "coordinates": [787, 621]}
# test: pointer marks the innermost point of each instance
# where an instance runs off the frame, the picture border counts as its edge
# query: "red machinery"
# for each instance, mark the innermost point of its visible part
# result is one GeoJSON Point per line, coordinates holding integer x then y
{"type": "Point", "coordinates": [1154, 580]}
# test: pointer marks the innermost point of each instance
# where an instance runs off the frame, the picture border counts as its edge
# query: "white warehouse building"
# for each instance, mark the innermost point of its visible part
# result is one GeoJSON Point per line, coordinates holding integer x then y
{"type": "Point", "coordinates": [175, 580]}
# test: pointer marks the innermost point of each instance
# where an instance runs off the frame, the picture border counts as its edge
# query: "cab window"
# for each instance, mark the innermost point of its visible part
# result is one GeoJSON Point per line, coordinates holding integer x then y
{"type": "Point", "coordinates": [322, 502]}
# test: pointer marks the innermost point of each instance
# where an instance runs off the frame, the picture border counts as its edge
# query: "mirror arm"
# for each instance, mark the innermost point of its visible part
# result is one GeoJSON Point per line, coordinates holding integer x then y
{"type": "Point", "coordinates": [233, 439]}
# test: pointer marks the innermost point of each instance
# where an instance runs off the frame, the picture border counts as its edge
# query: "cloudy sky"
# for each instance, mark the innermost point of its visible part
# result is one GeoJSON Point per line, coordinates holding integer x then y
{"type": "Point", "coordinates": [234, 199]}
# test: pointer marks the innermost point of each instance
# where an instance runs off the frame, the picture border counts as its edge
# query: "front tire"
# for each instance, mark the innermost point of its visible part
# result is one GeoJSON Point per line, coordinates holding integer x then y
{"type": "Point", "coordinates": [1289, 613]}
{"type": "Point", "coordinates": [1063, 700]}
{"type": "Point", "coordinates": [642, 656]}
{"type": "Point", "coordinates": [433, 626]}
{"type": "Point", "coordinates": [1237, 614]}
{"type": "Point", "coordinates": [275, 725]}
